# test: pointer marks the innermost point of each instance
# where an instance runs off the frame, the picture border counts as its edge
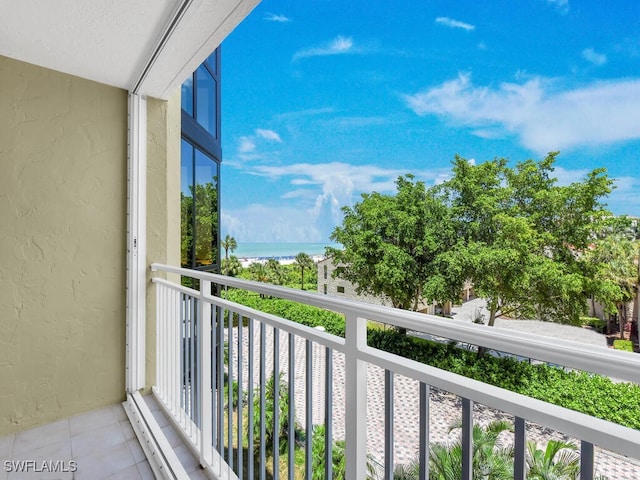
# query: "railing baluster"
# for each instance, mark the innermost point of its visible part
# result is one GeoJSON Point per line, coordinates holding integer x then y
{"type": "Point", "coordinates": [250, 452]}
{"type": "Point", "coordinates": [423, 453]}
{"type": "Point", "coordinates": [230, 389]}
{"type": "Point", "coordinates": [308, 414]}
{"type": "Point", "coordinates": [276, 403]}
{"type": "Point", "coordinates": [586, 460]}
{"type": "Point", "coordinates": [467, 439]}
{"type": "Point", "coordinates": [355, 397]}
{"type": "Point", "coordinates": [204, 370]}
{"type": "Point", "coordinates": [196, 359]}
{"type": "Point", "coordinates": [388, 425]}
{"type": "Point", "coordinates": [239, 471]}
{"type": "Point", "coordinates": [291, 414]}
{"type": "Point", "coordinates": [220, 378]}
{"type": "Point", "coordinates": [213, 358]}
{"type": "Point", "coordinates": [263, 380]}
{"type": "Point", "coordinates": [175, 353]}
{"type": "Point", "coordinates": [328, 414]}
{"type": "Point", "coordinates": [520, 449]}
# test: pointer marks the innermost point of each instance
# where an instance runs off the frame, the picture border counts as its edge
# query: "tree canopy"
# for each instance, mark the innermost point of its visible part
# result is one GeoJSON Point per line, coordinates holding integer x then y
{"type": "Point", "coordinates": [392, 244]}
{"type": "Point", "coordinates": [514, 232]}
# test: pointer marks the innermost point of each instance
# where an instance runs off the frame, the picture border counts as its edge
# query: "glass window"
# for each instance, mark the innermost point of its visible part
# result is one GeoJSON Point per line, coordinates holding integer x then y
{"type": "Point", "coordinates": [212, 62]}
{"type": "Point", "coordinates": [187, 96]}
{"type": "Point", "coordinates": [200, 168]}
{"type": "Point", "coordinates": [206, 105]}
{"type": "Point", "coordinates": [186, 204]}
{"type": "Point", "coordinates": [206, 210]}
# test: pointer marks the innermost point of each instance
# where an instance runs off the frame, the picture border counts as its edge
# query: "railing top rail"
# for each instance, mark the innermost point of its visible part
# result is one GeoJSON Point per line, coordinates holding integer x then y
{"type": "Point", "coordinates": [600, 432]}
{"type": "Point", "coordinates": [590, 358]}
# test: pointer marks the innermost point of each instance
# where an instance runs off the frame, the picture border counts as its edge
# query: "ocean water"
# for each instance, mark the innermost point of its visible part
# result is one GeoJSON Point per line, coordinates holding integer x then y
{"type": "Point", "coordinates": [277, 250]}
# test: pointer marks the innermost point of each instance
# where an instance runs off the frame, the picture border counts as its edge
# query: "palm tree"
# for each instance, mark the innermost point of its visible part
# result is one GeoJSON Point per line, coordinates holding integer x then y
{"type": "Point", "coordinates": [229, 243]}
{"type": "Point", "coordinates": [231, 266]}
{"type": "Point", "coordinates": [303, 261]}
{"type": "Point", "coordinates": [491, 461]}
{"type": "Point", "coordinates": [274, 271]}
{"type": "Point", "coordinates": [558, 461]}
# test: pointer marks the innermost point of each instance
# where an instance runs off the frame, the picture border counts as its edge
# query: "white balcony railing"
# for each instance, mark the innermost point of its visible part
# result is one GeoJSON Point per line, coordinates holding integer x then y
{"type": "Point", "coordinates": [213, 373]}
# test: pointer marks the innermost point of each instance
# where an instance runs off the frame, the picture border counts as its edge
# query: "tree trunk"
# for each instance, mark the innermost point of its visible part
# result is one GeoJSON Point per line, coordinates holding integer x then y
{"type": "Point", "coordinates": [622, 314]}
{"type": "Point", "coordinates": [493, 309]}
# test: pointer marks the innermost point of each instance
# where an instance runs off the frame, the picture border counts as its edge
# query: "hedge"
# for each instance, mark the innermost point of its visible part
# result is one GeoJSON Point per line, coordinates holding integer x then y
{"type": "Point", "coordinates": [588, 393]}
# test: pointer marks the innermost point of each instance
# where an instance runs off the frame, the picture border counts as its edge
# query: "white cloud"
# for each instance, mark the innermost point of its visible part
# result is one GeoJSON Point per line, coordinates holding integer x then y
{"type": "Point", "coordinates": [338, 46]}
{"type": "Point", "coordinates": [561, 5]}
{"type": "Point", "coordinates": [272, 17]}
{"type": "Point", "coordinates": [312, 208]}
{"type": "Point", "coordinates": [590, 55]}
{"type": "Point", "coordinates": [450, 22]}
{"type": "Point", "coordinates": [268, 135]}
{"type": "Point", "coordinates": [247, 145]}
{"type": "Point", "coordinates": [262, 223]}
{"type": "Point", "coordinates": [544, 118]}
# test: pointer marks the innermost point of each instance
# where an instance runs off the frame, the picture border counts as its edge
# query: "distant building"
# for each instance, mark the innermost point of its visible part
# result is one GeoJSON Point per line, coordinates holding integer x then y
{"type": "Point", "coordinates": [329, 284]}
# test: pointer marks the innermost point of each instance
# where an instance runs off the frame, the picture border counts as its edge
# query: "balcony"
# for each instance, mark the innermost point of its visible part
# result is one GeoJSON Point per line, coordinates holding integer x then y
{"type": "Point", "coordinates": [214, 360]}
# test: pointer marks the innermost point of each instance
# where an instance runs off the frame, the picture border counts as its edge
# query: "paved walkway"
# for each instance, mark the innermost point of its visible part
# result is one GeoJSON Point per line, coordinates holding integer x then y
{"type": "Point", "coordinates": [444, 411]}
{"type": "Point", "coordinates": [470, 310]}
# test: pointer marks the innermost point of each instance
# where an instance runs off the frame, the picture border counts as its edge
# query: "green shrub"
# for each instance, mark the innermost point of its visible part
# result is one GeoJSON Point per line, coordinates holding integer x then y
{"type": "Point", "coordinates": [597, 324]}
{"type": "Point", "coordinates": [624, 345]}
{"type": "Point", "coordinates": [588, 393]}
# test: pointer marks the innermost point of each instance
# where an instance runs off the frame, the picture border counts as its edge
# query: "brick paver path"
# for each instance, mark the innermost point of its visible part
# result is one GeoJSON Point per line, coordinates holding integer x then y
{"type": "Point", "coordinates": [444, 408]}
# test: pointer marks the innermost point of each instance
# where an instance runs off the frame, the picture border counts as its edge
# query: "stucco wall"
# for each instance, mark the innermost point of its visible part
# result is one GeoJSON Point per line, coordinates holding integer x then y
{"type": "Point", "coordinates": [163, 204]}
{"type": "Point", "coordinates": [63, 144]}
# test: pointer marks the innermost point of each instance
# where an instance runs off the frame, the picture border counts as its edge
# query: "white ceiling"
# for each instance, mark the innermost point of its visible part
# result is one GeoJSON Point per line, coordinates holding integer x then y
{"type": "Point", "coordinates": [111, 41]}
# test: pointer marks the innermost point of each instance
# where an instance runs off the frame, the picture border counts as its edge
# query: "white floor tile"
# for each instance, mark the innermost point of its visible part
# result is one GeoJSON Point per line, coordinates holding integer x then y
{"type": "Point", "coordinates": [145, 471]}
{"type": "Point", "coordinates": [6, 444]}
{"type": "Point", "coordinates": [91, 420]}
{"type": "Point", "coordinates": [104, 463]}
{"type": "Point", "coordinates": [127, 430]}
{"type": "Point", "coordinates": [129, 473]}
{"type": "Point", "coordinates": [160, 418]}
{"type": "Point", "coordinates": [35, 438]}
{"type": "Point", "coordinates": [119, 412]}
{"type": "Point", "coordinates": [186, 458]}
{"type": "Point", "coordinates": [136, 450]}
{"type": "Point", "coordinates": [97, 439]}
{"type": "Point", "coordinates": [172, 436]}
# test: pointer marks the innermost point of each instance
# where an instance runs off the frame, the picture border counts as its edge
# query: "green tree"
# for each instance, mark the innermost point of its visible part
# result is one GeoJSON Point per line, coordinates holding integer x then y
{"type": "Point", "coordinates": [617, 277]}
{"type": "Point", "coordinates": [391, 245]}
{"type": "Point", "coordinates": [259, 272]}
{"type": "Point", "coordinates": [199, 221]}
{"type": "Point", "coordinates": [231, 266]}
{"type": "Point", "coordinates": [490, 460]}
{"type": "Point", "coordinates": [303, 261]}
{"type": "Point", "coordinates": [229, 243]}
{"type": "Point", "coordinates": [275, 273]}
{"type": "Point", "coordinates": [558, 461]}
{"type": "Point", "coordinates": [521, 236]}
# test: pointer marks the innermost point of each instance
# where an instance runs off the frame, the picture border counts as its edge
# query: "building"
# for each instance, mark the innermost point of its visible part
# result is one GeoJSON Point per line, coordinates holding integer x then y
{"type": "Point", "coordinates": [331, 284]}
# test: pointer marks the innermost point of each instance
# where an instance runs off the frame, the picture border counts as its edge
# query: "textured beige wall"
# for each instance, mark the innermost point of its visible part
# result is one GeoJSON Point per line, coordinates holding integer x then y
{"type": "Point", "coordinates": [163, 204]}
{"type": "Point", "coordinates": [63, 192]}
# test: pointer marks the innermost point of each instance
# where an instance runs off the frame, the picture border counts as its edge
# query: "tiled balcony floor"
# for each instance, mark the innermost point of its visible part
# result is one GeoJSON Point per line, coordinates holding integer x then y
{"type": "Point", "coordinates": [101, 442]}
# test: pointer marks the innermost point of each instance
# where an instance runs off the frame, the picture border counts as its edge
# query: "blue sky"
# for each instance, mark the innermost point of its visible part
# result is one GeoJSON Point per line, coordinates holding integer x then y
{"type": "Point", "coordinates": [324, 100]}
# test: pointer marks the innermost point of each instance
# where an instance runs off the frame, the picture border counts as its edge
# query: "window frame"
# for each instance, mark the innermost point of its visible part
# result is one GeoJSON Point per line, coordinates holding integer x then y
{"type": "Point", "coordinates": [201, 139]}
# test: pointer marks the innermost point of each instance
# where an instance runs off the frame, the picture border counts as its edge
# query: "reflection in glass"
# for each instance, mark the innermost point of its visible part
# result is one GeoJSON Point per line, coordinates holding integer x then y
{"type": "Point", "coordinates": [187, 95]}
{"type": "Point", "coordinates": [206, 100]}
{"type": "Point", "coordinates": [198, 208]}
{"type": "Point", "coordinates": [206, 210]}
{"type": "Point", "coordinates": [186, 205]}
{"type": "Point", "coordinates": [212, 60]}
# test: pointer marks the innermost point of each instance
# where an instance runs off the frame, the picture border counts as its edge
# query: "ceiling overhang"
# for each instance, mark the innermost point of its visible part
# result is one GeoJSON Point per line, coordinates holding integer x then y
{"type": "Point", "coordinates": [148, 47]}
